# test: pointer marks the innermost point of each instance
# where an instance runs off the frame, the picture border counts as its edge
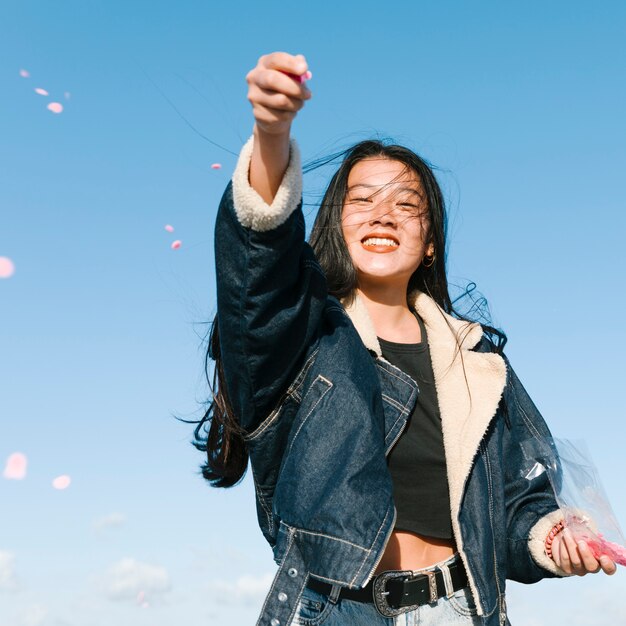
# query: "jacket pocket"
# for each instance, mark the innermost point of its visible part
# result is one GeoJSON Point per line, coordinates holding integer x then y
{"type": "Point", "coordinates": [314, 395]}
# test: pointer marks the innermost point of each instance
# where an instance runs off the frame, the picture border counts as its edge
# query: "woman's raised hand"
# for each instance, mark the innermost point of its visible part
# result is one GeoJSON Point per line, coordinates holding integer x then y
{"type": "Point", "coordinates": [275, 96]}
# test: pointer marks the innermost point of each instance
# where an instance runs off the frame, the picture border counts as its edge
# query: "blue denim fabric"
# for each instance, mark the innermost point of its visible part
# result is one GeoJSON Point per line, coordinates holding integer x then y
{"type": "Point", "coordinates": [321, 413]}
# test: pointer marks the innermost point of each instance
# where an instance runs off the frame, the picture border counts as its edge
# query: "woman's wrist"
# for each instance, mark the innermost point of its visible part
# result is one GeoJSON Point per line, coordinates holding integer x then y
{"type": "Point", "coordinates": [270, 158]}
{"type": "Point", "coordinates": [556, 529]}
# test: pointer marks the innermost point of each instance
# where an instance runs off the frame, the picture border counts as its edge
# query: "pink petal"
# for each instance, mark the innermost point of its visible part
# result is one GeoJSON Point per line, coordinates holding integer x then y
{"type": "Point", "coordinates": [176, 244]}
{"type": "Point", "coordinates": [61, 482]}
{"type": "Point", "coordinates": [15, 468]}
{"type": "Point", "coordinates": [216, 166]}
{"type": "Point", "coordinates": [145, 605]}
{"type": "Point", "coordinates": [7, 267]}
{"type": "Point", "coordinates": [41, 92]}
{"type": "Point", "coordinates": [55, 107]}
{"type": "Point", "coordinates": [299, 78]}
{"type": "Point", "coordinates": [141, 596]}
{"type": "Point", "coordinates": [24, 73]}
{"type": "Point", "coordinates": [169, 228]}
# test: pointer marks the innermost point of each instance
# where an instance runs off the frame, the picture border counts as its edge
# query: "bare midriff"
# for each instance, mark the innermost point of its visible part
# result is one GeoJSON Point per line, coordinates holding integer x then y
{"type": "Point", "coordinates": [409, 551]}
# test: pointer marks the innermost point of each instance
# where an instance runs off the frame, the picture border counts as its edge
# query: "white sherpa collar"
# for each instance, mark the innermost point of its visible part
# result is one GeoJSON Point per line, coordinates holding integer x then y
{"type": "Point", "coordinates": [469, 385]}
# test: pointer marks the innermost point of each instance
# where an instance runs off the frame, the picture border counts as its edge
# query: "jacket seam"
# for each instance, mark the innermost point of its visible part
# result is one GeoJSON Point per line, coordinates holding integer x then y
{"type": "Point", "coordinates": [290, 393]}
{"type": "Point", "coordinates": [244, 288]}
{"type": "Point", "coordinates": [318, 534]}
{"type": "Point", "coordinates": [306, 417]}
{"type": "Point", "coordinates": [369, 551]}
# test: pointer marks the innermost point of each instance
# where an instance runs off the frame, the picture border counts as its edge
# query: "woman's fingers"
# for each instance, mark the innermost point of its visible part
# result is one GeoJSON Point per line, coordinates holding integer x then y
{"type": "Point", "coordinates": [271, 74]}
{"type": "Point", "coordinates": [274, 100]}
{"type": "Point", "coordinates": [275, 96]}
{"type": "Point", "coordinates": [608, 565]}
{"type": "Point", "coordinates": [590, 563]}
{"type": "Point", "coordinates": [573, 556]}
{"type": "Point", "coordinates": [294, 63]}
{"type": "Point", "coordinates": [576, 557]}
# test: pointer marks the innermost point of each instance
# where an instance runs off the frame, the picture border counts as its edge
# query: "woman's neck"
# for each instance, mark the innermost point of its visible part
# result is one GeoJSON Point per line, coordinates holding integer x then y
{"type": "Point", "coordinates": [391, 316]}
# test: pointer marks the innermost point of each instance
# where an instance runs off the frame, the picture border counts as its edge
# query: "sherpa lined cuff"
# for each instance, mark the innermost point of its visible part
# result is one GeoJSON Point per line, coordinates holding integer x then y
{"type": "Point", "coordinates": [252, 211]}
{"type": "Point", "coordinates": [537, 542]}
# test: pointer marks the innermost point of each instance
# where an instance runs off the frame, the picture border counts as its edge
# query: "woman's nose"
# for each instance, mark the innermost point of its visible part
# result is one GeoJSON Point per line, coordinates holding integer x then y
{"type": "Point", "coordinates": [384, 215]}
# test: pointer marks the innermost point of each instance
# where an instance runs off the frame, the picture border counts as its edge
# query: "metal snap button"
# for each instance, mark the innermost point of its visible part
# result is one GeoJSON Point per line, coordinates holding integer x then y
{"type": "Point", "coordinates": [275, 622]}
{"type": "Point", "coordinates": [282, 596]}
{"type": "Point", "coordinates": [292, 571]}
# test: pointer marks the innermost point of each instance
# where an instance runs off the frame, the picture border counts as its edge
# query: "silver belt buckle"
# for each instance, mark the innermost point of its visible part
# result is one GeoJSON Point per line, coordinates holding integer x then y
{"type": "Point", "coordinates": [380, 593]}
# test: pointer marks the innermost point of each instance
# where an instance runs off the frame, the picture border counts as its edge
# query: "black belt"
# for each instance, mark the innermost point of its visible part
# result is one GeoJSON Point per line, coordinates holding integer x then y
{"type": "Point", "coordinates": [396, 592]}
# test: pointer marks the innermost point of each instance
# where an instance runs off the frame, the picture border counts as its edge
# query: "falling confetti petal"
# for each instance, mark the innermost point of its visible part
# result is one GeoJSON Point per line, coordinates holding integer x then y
{"type": "Point", "coordinates": [61, 482]}
{"type": "Point", "coordinates": [141, 596]}
{"type": "Point", "coordinates": [67, 95]}
{"type": "Point", "coordinates": [169, 228]}
{"type": "Point", "coordinates": [216, 166]}
{"type": "Point", "coordinates": [7, 267]}
{"type": "Point", "coordinates": [145, 605]}
{"type": "Point", "coordinates": [55, 107]}
{"type": "Point", "coordinates": [24, 73]}
{"type": "Point", "coordinates": [41, 92]}
{"type": "Point", "coordinates": [176, 244]}
{"type": "Point", "coordinates": [15, 468]}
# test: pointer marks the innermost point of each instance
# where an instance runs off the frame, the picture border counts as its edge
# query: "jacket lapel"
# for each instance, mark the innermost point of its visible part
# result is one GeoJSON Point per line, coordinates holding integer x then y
{"type": "Point", "coordinates": [469, 384]}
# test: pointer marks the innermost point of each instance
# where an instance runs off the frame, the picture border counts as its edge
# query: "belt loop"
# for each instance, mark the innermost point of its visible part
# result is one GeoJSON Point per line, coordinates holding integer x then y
{"type": "Point", "coordinates": [334, 594]}
{"type": "Point", "coordinates": [447, 579]}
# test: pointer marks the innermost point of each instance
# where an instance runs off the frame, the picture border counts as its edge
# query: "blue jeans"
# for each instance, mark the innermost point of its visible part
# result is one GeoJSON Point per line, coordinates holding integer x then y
{"type": "Point", "coordinates": [316, 609]}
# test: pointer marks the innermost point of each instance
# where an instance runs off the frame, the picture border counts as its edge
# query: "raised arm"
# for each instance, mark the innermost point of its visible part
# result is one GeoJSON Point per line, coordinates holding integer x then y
{"type": "Point", "coordinates": [276, 97]}
{"type": "Point", "coordinates": [271, 291]}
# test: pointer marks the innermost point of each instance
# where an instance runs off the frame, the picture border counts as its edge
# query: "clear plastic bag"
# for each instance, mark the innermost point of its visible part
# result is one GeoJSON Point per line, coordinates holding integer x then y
{"type": "Point", "coordinates": [579, 493]}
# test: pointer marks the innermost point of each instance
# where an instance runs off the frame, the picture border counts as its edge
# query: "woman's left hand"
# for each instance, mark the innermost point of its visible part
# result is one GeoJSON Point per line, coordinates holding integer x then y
{"type": "Point", "coordinates": [575, 557]}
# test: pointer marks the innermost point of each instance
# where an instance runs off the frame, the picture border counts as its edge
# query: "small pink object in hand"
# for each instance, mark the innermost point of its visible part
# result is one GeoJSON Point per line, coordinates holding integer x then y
{"type": "Point", "coordinates": [300, 78]}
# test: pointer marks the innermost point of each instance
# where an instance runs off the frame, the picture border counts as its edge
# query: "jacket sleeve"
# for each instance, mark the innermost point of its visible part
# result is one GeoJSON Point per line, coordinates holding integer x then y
{"type": "Point", "coordinates": [531, 505]}
{"type": "Point", "coordinates": [270, 290]}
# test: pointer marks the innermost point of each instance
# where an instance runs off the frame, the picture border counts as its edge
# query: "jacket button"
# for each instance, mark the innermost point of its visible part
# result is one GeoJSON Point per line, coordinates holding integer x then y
{"type": "Point", "coordinates": [282, 596]}
{"type": "Point", "coordinates": [293, 572]}
{"type": "Point", "coordinates": [275, 622]}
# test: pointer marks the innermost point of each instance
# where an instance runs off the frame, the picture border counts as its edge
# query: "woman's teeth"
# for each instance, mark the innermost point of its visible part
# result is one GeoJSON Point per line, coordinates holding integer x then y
{"type": "Point", "coordinates": [379, 241]}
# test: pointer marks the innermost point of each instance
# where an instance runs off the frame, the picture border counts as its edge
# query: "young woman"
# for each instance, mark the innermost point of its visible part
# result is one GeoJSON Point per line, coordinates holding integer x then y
{"type": "Point", "coordinates": [384, 430]}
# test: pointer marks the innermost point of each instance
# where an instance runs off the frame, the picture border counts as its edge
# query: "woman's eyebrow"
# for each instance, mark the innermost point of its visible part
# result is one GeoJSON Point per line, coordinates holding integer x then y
{"type": "Point", "coordinates": [401, 189]}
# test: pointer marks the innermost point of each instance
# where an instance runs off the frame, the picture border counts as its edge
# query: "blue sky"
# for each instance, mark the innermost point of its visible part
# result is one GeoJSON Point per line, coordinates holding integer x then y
{"type": "Point", "coordinates": [521, 107]}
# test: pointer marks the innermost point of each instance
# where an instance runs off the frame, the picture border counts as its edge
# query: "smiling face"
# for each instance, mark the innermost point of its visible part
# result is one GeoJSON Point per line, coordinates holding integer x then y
{"type": "Point", "coordinates": [385, 222]}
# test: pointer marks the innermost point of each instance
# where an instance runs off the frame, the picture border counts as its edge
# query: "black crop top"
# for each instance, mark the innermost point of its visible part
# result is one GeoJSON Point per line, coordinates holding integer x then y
{"type": "Point", "coordinates": [417, 462]}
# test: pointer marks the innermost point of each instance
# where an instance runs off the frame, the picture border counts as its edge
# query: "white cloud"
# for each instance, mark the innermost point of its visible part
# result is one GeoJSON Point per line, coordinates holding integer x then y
{"type": "Point", "coordinates": [8, 578]}
{"type": "Point", "coordinates": [245, 591]}
{"type": "Point", "coordinates": [128, 578]}
{"type": "Point", "coordinates": [113, 520]}
{"type": "Point", "coordinates": [33, 616]}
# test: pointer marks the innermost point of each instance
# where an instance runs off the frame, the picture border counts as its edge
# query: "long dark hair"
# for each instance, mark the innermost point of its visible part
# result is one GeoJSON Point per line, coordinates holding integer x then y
{"type": "Point", "coordinates": [332, 252]}
{"type": "Point", "coordinates": [224, 443]}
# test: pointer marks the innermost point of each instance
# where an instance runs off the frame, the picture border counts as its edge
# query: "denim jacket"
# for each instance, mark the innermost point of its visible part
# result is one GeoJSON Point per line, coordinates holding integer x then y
{"type": "Point", "coordinates": [321, 409]}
